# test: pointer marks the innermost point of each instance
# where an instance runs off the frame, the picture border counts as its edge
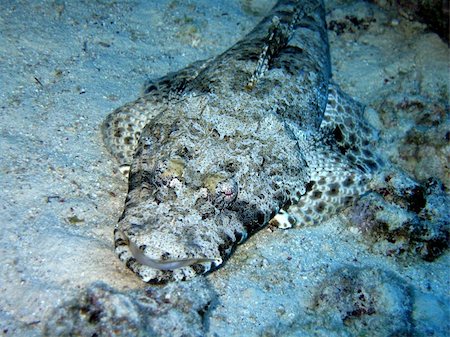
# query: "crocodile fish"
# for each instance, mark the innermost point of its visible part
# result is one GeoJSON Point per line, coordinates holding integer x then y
{"type": "Point", "coordinates": [217, 150]}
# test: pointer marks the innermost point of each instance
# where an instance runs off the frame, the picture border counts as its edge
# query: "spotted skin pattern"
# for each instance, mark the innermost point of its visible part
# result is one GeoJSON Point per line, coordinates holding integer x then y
{"type": "Point", "coordinates": [341, 161]}
{"type": "Point", "coordinates": [218, 149]}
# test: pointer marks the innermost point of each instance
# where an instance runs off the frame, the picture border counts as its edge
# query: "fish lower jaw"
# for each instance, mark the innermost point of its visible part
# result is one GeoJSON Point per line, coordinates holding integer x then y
{"type": "Point", "coordinates": [168, 264]}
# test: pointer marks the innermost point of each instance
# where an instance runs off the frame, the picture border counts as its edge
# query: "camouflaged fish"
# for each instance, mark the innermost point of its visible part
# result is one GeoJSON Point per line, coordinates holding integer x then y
{"type": "Point", "coordinates": [222, 147]}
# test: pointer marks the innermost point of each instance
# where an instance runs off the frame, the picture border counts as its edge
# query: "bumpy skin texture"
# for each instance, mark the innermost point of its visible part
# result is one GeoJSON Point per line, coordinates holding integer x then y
{"type": "Point", "coordinates": [341, 161]}
{"type": "Point", "coordinates": [218, 148]}
{"type": "Point", "coordinates": [282, 65]}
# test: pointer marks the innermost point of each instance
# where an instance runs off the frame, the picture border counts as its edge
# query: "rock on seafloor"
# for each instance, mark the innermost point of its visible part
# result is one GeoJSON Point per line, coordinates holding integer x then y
{"type": "Point", "coordinates": [175, 310]}
{"type": "Point", "coordinates": [364, 301]}
{"type": "Point", "coordinates": [379, 269]}
{"type": "Point", "coordinates": [401, 218]}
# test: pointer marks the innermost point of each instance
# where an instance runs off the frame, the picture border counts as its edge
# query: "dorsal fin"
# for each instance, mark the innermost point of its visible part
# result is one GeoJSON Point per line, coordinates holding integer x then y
{"type": "Point", "coordinates": [284, 63]}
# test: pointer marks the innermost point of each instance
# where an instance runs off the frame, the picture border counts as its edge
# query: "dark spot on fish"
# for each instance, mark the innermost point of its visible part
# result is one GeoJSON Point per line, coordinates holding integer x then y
{"type": "Point", "coordinates": [261, 217]}
{"type": "Point", "coordinates": [198, 268]}
{"type": "Point", "coordinates": [316, 194]}
{"type": "Point", "coordinates": [130, 262]}
{"type": "Point", "coordinates": [361, 168]}
{"type": "Point", "coordinates": [334, 189]}
{"type": "Point", "coordinates": [140, 179]}
{"type": "Point", "coordinates": [348, 181]}
{"type": "Point", "coordinates": [226, 247]}
{"type": "Point", "coordinates": [118, 132]}
{"type": "Point", "coordinates": [338, 134]}
{"type": "Point", "coordinates": [230, 167]}
{"type": "Point", "coordinates": [215, 134]}
{"type": "Point", "coordinates": [166, 82]}
{"type": "Point", "coordinates": [348, 200]}
{"type": "Point", "coordinates": [135, 227]}
{"type": "Point", "coordinates": [238, 236]}
{"type": "Point", "coordinates": [120, 242]}
{"type": "Point", "coordinates": [288, 203]}
{"type": "Point", "coordinates": [320, 207]}
{"type": "Point", "coordinates": [150, 88]}
{"type": "Point", "coordinates": [310, 185]}
{"type": "Point", "coordinates": [321, 181]}
{"type": "Point", "coordinates": [371, 164]}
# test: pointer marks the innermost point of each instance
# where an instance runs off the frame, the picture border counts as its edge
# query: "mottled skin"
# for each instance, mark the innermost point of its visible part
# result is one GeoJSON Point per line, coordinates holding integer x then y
{"type": "Point", "coordinates": [220, 147]}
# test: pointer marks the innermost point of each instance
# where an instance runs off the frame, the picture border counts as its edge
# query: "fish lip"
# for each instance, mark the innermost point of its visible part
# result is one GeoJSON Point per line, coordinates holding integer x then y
{"type": "Point", "coordinates": [169, 264]}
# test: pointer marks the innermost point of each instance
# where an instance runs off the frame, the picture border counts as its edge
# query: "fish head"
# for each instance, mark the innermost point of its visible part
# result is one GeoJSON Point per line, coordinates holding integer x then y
{"type": "Point", "coordinates": [199, 186]}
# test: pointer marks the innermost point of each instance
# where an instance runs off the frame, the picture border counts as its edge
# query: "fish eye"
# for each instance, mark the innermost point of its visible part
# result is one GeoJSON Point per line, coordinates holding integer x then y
{"type": "Point", "coordinates": [226, 193]}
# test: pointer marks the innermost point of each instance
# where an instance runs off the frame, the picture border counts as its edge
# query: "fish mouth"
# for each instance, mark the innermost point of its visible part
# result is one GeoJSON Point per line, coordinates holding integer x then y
{"type": "Point", "coordinates": [166, 264]}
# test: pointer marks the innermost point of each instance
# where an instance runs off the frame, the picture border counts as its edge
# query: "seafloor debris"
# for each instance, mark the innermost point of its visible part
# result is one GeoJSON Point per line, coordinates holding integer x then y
{"type": "Point", "coordinates": [364, 302]}
{"type": "Point", "coordinates": [432, 12]}
{"type": "Point", "coordinates": [422, 148]}
{"type": "Point", "coordinates": [175, 310]}
{"type": "Point", "coordinates": [403, 218]}
{"type": "Point", "coordinates": [360, 19]}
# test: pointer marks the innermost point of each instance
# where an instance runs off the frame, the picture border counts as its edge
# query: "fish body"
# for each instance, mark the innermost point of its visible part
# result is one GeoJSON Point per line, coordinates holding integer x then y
{"type": "Point", "coordinates": [218, 149]}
